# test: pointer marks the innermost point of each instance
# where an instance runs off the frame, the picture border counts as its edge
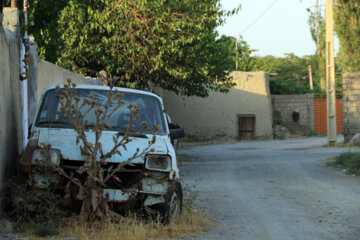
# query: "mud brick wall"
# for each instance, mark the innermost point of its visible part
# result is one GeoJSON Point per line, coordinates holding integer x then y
{"type": "Point", "coordinates": [351, 104]}
{"type": "Point", "coordinates": [216, 116]}
{"type": "Point", "coordinates": [286, 104]}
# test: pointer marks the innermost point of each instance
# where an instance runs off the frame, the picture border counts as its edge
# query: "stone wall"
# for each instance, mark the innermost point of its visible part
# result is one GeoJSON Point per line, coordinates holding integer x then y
{"type": "Point", "coordinates": [351, 104]}
{"type": "Point", "coordinates": [217, 115]}
{"type": "Point", "coordinates": [286, 104]}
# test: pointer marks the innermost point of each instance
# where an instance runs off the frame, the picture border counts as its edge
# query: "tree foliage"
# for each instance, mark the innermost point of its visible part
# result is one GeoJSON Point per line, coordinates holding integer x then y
{"type": "Point", "coordinates": [227, 49]}
{"type": "Point", "coordinates": [320, 69]}
{"type": "Point", "coordinates": [289, 74]}
{"type": "Point", "coordinates": [321, 52]}
{"type": "Point", "coordinates": [43, 19]}
{"type": "Point", "coordinates": [170, 43]}
{"type": "Point", "coordinates": [347, 27]}
{"type": "Point", "coordinates": [43, 25]}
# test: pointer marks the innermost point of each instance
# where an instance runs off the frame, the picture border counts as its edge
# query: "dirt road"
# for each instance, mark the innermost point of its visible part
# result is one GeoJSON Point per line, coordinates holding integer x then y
{"type": "Point", "coordinates": [273, 190]}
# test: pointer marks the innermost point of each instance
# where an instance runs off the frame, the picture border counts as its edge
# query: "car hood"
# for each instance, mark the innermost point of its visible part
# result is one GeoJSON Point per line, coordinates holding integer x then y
{"type": "Point", "coordinates": [65, 141]}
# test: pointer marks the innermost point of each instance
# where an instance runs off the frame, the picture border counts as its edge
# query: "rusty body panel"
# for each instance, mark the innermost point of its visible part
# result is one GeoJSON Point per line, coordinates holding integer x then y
{"type": "Point", "coordinates": [137, 185]}
{"type": "Point", "coordinates": [25, 161]}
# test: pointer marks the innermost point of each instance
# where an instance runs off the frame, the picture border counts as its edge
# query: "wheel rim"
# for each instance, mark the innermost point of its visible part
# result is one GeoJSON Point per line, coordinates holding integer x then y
{"type": "Point", "coordinates": [174, 205]}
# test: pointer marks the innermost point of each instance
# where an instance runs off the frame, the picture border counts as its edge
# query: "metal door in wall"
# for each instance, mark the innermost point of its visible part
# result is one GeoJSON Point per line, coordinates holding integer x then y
{"type": "Point", "coordinates": [320, 114]}
{"type": "Point", "coordinates": [246, 125]}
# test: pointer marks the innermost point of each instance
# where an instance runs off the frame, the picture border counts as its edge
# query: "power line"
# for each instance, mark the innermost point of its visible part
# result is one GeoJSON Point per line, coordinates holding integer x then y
{"type": "Point", "coordinates": [258, 18]}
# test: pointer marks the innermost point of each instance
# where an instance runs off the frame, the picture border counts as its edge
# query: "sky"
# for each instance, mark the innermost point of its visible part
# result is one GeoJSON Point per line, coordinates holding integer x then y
{"type": "Point", "coordinates": [273, 27]}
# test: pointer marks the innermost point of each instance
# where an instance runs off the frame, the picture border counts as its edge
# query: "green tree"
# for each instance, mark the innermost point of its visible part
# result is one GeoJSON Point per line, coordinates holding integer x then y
{"type": "Point", "coordinates": [289, 74]}
{"type": "Point", "coordinates": [227, 49]}
{"type": "Point", "coordinates": [245, 58]}
{"type": "Point", "coordinates": [170, 43]}
{"type": "Point", "coordinates": [320, 73]}
{"type": "Point", "coordinates": [347, 27]}
{"type": "Point", "coordinates": [320, 69]}
{"type": "Point", "coordinates": [43, 16]}
{"type": "Point", "coordinates": [43, 25]}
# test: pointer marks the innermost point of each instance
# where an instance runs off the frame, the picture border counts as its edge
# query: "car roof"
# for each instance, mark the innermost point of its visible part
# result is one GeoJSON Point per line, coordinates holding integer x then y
{"type": "Point", "coordinates": [97, 87]}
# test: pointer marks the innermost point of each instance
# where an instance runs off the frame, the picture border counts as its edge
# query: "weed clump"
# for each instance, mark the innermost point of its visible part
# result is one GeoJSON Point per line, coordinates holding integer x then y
{"type": "Point", "coordinates": [39, 211]}
{"type": "Point", "coordinates": [44, 230]}
{"type": "Point", "coordinates": [350, 161]}
{"type": "Point", "coordinates": [133, 227]}
{"type": "Point", "coordinates": [41, 217]}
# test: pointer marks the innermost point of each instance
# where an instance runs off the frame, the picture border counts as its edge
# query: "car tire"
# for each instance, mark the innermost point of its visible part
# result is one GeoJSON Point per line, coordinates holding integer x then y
{"type": "Point", "coordinates": [173, 206]}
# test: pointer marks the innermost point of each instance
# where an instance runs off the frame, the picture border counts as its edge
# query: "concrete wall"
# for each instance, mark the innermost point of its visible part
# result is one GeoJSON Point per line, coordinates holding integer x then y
{"type": "Point", "coordinates": [32, 81]}
{"type": "Point", "coordinates": [10, 99]}
{"type": "Point", "coordinates": [49, 74]}
{"type": "Point", "coordinates": [217, 115]}
{"type": "Point", "coordinates": [351, 104]}
{"type": "Point", "coordinates": [286, 104]}
{"type": "Point", "coordinates": [42, 74]}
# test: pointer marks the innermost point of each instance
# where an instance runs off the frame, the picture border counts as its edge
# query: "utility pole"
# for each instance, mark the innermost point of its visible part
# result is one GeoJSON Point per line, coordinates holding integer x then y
{"type": "Point", "coordinates": [236, 55]}
{"type": "Point", "coordinates": [317, 12]}
{"type": "Point", "coordinates": [310, 78]}
{"type": "Point", "coordinates": [330, 75]}
{"type": "Point", "coordinates": [318, 45]}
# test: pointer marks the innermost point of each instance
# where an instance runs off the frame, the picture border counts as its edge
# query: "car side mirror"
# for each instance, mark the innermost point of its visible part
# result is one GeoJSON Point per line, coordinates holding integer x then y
{"type": "Point", "coordinates": [173, 126]}
{"type": "Point", "coordinates": [176, 132]}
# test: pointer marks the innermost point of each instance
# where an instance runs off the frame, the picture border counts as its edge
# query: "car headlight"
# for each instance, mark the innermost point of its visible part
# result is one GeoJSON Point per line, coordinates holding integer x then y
{"type": "Point", "coordinates": [41, 156]}
{"type": "Point", "coordinates": [158, 162]}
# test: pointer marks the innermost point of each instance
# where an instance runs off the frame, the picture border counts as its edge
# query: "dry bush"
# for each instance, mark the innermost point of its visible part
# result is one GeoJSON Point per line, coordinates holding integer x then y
{"type": "Point", "coordinates": [31, 209]}
{"type": "Point", "coordinates": [94, 201]}
{"type": "Point", "coordinates": [193, 220]}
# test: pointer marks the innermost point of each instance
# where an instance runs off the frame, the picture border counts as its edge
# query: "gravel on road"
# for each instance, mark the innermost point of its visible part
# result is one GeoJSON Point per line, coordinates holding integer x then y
{"type": "Point", "coordinates": [273, 190]}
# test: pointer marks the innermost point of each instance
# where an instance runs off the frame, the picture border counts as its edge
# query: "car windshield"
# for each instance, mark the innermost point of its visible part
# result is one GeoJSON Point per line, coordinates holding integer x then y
{"type": "Point", "coordinates": [150, 111]}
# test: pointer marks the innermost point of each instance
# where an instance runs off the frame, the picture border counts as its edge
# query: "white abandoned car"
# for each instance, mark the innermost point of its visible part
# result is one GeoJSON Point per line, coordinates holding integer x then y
{"type": "Point", "coordinates": [151, 182]}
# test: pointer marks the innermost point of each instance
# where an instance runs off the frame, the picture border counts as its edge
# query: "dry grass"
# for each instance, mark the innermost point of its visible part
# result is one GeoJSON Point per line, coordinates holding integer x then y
{"type": "Point", "coordinates": [132, 228]}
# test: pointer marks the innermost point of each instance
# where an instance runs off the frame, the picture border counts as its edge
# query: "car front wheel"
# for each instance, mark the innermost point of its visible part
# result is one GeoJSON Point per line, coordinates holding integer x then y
{"type": "Point", "coordinates": [173, 206]}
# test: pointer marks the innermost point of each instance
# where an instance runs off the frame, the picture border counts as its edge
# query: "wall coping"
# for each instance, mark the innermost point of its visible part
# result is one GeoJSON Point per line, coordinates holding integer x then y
{"type": "Point", "coordinates": [10, 18]}
{"type": "Point", "coordinates": [309, 95]}
{"type": "Point", "coordinates": [351, 75]}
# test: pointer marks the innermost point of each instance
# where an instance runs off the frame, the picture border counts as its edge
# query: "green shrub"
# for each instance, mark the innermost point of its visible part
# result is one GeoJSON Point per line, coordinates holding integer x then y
{"type": "Point", "coordinates": [43, 230]}
{"type": "Point", "coordinates": [349, 161]}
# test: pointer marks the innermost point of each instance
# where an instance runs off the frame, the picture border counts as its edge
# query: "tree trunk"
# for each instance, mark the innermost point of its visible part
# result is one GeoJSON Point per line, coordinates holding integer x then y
{"type": "Point", "coordinates": [95, 204]}
{"type": "Point", "coordinates": [322, 83]}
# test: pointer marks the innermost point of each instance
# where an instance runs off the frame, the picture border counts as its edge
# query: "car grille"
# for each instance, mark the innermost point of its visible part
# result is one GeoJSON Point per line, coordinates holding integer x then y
{"type": "Point", "coordinates": [129, 176]}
